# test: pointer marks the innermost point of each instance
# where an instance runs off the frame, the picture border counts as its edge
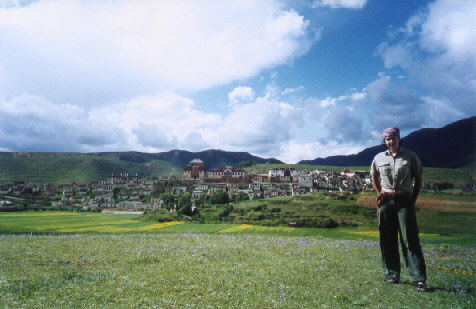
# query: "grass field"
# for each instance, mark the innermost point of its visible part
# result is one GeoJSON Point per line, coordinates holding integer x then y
{"type": "Point", "coordinates": [225, 270]}
{"type": "Point", "coordinates": [47, 223]}
{"type": "Point", "coordinates": [93, 260]}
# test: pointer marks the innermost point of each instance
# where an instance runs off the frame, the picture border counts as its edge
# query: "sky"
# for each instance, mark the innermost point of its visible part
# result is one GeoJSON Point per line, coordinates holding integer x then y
{"type": "Point", "coordinates": [291, 80]}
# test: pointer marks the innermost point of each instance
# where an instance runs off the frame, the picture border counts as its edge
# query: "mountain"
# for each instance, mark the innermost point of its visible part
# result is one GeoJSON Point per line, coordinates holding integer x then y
{"type": "Point", "coordinates": [60, 168]}
{"type": "Point", "coordinates": [212, 158]}
{"type": "Point", "coordinates": [452, 146]}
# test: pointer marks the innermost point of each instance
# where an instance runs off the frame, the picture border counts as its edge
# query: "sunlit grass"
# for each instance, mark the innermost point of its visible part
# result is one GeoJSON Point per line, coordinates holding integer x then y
{"type": "Point", "coordinates": [188, 270]}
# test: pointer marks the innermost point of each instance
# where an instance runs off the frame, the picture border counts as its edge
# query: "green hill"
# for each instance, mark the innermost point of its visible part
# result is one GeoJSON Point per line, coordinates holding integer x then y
{"type": "Point", "coordinates": [60, 168]}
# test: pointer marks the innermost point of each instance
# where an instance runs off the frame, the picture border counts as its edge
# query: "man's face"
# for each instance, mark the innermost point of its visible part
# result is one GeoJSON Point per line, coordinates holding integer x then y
{"type": "Point", "coordinates": [392, 142]}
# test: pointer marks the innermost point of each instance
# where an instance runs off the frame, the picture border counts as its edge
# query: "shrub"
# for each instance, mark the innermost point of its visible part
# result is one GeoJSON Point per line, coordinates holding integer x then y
{"type": "Point", "coordinates": [260, 207]}
{"type": "Point", "coordinates": [161, 215]}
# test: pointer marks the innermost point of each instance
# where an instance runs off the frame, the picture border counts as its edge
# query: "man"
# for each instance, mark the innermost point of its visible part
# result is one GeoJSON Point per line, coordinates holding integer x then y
{"type": "Point", "coordinates": [392, 173]}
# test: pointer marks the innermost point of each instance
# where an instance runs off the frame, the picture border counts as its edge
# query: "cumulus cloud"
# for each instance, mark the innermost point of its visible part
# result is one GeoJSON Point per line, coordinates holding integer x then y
{"type": "Point", "coordinates": [259, 127]}
{"type": "Point", "coordinates": [160, 122]}
{"type": "Point", "coordinates": [194, 141]}
{"type": "Point", "coordinates": [155, 123]}
{"type": "Point", "coordinates": [289, 91]}
{"type": "Point", "coordinates": [437, 51]}
{"type": "Point", "coordinates": [293, 152]}
{"type": "Point", "coordinates": [32, 123]}
{"type": "Point", "coordinates": [343, 125]}
{"type": "Point", "coordinates": [100, 52]}
{"type": "Point", "coordinates": [241, 93]}
{"type": "Point", "coordinates": [150, 135]}
{"type": "Point", "coordinates": [398, 106]}
{"type": "Point", "coordinates": [339, 4]}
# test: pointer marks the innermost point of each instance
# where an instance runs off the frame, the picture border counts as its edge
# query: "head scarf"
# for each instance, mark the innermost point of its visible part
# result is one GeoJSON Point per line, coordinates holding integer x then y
{"type": "Point", "coordinates": [391, 132]}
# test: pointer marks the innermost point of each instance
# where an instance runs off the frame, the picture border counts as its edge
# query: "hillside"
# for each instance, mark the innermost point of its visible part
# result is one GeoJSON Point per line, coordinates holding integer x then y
{"type": "Point", "coordinates": [60, 168]}
{"type": "Point", "coordinates": [212, 158]}
{"type": "Point", "coordinates": [452, 146]}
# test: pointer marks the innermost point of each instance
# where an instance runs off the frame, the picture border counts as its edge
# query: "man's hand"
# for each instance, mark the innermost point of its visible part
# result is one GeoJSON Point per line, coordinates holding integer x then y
{"type": "Point", "coordinates": [383, 198]}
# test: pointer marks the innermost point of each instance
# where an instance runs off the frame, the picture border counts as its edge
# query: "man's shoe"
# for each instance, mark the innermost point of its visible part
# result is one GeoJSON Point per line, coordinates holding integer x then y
{"type": "Point", "coordinates": [393, 280]}
{"type": "Point", "coordinates": [422, 287]}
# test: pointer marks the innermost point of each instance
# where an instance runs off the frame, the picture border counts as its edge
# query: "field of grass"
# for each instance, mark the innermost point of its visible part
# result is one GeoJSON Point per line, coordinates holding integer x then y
{"type": "Point", "coordinates": [310, 210]}
{"type": "Point", "coordinates": [440, 213]}
{"type": "Point", "coordinates": [53, 223]}
{"type": "Point", "coordinates": [79, 259]}
{"type": "Point", "coordinates": [225, 270]}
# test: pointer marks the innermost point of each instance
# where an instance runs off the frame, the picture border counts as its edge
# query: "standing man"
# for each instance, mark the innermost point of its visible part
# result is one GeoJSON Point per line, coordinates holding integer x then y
{"type": "Point", "coordinates": [397, 178]}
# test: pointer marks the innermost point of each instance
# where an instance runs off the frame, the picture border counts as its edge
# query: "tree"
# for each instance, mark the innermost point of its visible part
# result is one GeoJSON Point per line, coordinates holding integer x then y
{"type": "Point", "coordinates": [169, 200]}
{"type": "Point", "coordinates": [241, 196]}
{"type": "Point", "coordinates": [185, 204]}
{"type": "Point", "coordinates": [219, 197]}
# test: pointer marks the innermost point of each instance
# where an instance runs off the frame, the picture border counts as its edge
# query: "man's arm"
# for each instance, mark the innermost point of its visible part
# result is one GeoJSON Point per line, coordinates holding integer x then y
{"type": "Point", "coordinates": [376, 184]}
{"type": "Point", "coordinates": [417, 188]}
{"type": "Point", "coordinates": [378, 188]}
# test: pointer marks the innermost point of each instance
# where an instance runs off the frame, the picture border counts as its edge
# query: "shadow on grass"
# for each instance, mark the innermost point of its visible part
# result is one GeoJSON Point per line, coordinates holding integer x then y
{"type": "Point", "coordinates": [456, 288]}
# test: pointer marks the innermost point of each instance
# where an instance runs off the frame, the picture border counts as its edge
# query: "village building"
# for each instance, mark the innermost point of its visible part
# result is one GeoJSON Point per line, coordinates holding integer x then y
{"type": "Point", "coordinates": [227, 171]}
{"type": "Point", "coordinates": [195, 169]}
{"type": "Point", "coordinates": [67, 193]}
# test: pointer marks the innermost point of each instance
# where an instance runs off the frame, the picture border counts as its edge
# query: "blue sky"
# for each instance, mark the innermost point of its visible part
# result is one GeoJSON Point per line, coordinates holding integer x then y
{"type": "Point", "coordinates": [291, 80]}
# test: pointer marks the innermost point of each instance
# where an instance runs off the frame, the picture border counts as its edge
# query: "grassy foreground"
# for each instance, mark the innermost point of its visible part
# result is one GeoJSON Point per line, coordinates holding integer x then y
{"type": "Point", "coordinates": [86, 223]}
{"type": "Point", "coordinates": [78, 260]}
{"type": "Point", "coordinates": [219, 271]}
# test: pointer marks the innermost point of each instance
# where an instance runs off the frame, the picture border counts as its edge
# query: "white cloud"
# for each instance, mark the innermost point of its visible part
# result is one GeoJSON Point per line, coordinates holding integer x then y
{"type": "Point", "coordinates": [289, 91]}
{"type": "Point", "coordinates": [358, 96]}
{"type": "Point", "coordinates": [437, 52]}
{"type": "Point", "coordinates": [330, 101]}
{"type": "Point", "coordinates": [102, 52]}
{"type": "Point", "coordinates": [395, 106]}
{"type": "Point", "coordinates": [339, 4]}
{"type": "Point", "coordinates": [169, 117]}
{"type": "Point", "coordinates": [152, 136]}
{"type": "Point", "coordinates": [292, 152]}
{"type": "Point", "coordinates": [327, 102]}
{"type": "Point", "coordinates": [32, 123]}
{"type": "Point", "coordinates": [258, 127]}
{"type": "Point", "coordinates": [344, 125]}
{"type": "Point", "coordinates": [194, 141]}
{"type": "Point", "coordinates": [449, 28]}
{"type": "Point", "coordinates": [241, 93]}
{"type": "Point", "coordinates": [396, 55]}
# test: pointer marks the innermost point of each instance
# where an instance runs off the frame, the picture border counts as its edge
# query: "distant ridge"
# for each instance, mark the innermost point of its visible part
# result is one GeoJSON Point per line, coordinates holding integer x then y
{"type": "Point", "coordinates": [452, 146]}
{"type": "Point", "coordinates": [212, 158]}
{"type": "Point", "coordinates": [67, 167]}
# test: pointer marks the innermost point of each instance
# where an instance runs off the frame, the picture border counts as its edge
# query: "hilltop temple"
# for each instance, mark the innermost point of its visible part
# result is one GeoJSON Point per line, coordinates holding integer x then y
{"type": "Point", "coordinates": [195, 169]}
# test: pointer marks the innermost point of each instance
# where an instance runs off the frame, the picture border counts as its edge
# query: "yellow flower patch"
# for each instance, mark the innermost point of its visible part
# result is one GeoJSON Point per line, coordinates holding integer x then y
{"type": "Point", "coordinates": [39, 214]}
{"type": "Point", "coordinates": [158, 226]}
{"type": "Point", "coordinates": [237, 228]}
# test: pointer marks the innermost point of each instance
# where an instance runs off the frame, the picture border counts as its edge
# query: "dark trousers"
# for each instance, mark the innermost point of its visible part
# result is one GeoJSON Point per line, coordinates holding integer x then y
{"type": "Point", "coordinates": [400, 218]}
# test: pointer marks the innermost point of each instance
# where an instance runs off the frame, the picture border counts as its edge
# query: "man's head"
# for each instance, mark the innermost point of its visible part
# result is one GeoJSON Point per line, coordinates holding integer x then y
{"type": "Point", "coordinates": [391, 132]}
{"type": "Point", "coordinates": [391, 138]}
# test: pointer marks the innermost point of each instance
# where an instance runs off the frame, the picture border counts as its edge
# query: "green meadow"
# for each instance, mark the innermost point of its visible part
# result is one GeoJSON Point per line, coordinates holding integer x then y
{"type": "Point", "coordinates": [78, 260]}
